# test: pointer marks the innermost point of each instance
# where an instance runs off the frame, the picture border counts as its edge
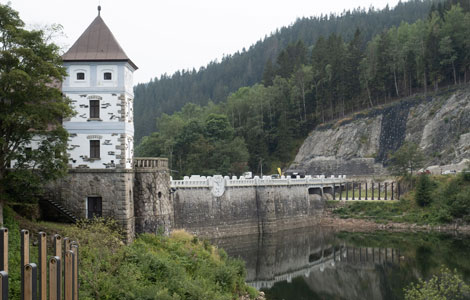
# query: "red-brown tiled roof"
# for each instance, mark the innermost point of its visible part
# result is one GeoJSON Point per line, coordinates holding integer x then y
{"type": "Point", "coordinates": [97, 43]}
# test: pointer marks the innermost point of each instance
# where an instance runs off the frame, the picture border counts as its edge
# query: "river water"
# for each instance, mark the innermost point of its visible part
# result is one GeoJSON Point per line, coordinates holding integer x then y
{"type": "Point", "coordinates": [320, 263]}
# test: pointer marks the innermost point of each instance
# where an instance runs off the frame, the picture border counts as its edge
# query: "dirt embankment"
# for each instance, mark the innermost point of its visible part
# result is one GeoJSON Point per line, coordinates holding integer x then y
{"type": "Point", "coordinates": [363, 225]}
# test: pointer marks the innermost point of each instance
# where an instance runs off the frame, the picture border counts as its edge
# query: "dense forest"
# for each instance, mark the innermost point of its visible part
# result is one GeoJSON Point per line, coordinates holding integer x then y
{"type": "Point", "coordinates": [260, 127]}
{"type": "Point", "coordinates": [217, 80]}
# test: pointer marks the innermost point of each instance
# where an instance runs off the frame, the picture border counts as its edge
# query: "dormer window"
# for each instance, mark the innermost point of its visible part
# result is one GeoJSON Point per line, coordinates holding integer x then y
{"type": "Point", "coordinates": [107, 76]}
{"type": "Point", "coordinates": [80, 75]}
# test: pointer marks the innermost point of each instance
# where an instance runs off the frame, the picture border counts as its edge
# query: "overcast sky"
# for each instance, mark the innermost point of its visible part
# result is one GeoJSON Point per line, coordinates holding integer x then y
{"type": "Point", "coordinates": [163, 36]}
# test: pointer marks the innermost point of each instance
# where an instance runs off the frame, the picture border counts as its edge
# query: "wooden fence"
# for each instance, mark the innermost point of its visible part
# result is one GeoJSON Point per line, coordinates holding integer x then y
{"type": "Point", "coordinates": [62, 282]}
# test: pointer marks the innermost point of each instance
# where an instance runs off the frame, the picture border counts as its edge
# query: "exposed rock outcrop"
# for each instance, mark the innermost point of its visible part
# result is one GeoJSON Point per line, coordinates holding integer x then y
{"type": "Point", "coordinates": [361, 144]}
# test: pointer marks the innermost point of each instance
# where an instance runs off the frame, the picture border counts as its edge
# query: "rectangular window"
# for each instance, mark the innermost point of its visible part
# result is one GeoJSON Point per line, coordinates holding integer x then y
{"type": "Point", "coordinates": [94, 109]}
{"type": "Point", "coordinates": [94, 207]}
{"type": "Point", "coordinates": [94, 149]}
{"type": "Point", "coordinates": [80, 76]}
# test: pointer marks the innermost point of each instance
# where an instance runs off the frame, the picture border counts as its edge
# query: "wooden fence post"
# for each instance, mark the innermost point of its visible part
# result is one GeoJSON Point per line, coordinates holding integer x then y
{"type": "Point", "coordinates": [4, 249]}
{"type": "Point", "coordinates": [24, 258]}
{"type": "Point", "coordinates": [75, 269]}
{"type": "Point", "coordinates": [54, 278]}
{"type": "Point", "coordinates": [379, 190]}
{"type": "Point", "coordinates": [30, 282]}
{"type": "Point", "coordinates": [360, 188]}
{"type": "Point", "coordinates": [340, 191]}
{"type": "Point", "coordinates": [334, 196]}
{"type": "Point", "coordinates": [42, 255]}
{"type": "Point", "coordinates": [347, 190]}
{"type": "Point", "coordinates": [392, 190]}
{"type": "Point", "coordinates": [68, 274]}
{"type": "Point", "coordinates": [3, 285]}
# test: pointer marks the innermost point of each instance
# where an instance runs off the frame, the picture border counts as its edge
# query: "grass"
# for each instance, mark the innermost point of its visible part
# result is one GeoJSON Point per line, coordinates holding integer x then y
{"type": "Point", "coordinates": [179, 267]}
{"type": "Point", "coordinates": [450, 203]}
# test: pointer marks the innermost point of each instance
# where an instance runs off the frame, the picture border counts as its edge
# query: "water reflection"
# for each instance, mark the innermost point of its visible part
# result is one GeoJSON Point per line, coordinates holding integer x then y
{"type": "Point", "coordinates": [318, 263]}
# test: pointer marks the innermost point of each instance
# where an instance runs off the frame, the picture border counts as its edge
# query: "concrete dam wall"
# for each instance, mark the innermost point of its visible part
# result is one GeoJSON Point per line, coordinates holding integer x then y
{"type": "Point", "coordinates": [231, 208]}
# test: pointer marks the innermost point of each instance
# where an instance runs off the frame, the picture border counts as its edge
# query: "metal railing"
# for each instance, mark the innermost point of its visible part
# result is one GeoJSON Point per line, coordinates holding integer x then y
{"type": "Point", "coordinates": [63, 268]}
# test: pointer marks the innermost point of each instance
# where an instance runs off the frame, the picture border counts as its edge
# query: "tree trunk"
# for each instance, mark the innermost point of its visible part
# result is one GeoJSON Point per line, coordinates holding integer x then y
{"type": "Point", "coordinates": [455, 73]}
{"type": "Point", "coordinates": [425, 79]}
{"type": "Point", "coordinates": [395, 79]}
{"type": "Point", "coordinates": [303, 99]}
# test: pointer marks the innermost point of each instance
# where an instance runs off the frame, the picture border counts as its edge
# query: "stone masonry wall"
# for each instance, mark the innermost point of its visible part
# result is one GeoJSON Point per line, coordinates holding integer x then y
{"type": "Point", "coordinates": [115, 187]}
{"type": "Point", "coordinates": [153, 208]}
{"type": "Point", "coordinates": [245, 210]}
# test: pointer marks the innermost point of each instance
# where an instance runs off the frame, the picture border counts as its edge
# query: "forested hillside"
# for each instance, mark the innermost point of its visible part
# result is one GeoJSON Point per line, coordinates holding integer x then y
{"type": "Point", "coordinates": [262, 126]}
{"type": "Point", "coordinates": [217, 80]}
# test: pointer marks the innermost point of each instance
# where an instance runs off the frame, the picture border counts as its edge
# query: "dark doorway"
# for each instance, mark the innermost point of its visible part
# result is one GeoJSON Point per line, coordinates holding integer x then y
{"type": "Point", "coordinates": [94, 207]}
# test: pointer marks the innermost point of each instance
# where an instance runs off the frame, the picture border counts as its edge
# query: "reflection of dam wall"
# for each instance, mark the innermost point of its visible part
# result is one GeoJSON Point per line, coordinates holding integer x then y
{"type": "Point", "coordinates": [274, 255]}
{"type": "Point", "coordinates": [352, 273]}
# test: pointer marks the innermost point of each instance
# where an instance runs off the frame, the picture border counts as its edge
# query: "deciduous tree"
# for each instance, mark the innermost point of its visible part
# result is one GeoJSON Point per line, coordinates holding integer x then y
{"type": "Point", "coordinates": [31, 109]}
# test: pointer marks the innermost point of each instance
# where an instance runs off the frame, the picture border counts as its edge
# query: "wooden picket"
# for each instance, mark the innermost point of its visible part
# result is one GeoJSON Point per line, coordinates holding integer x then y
{"type": "Point", "coordinates": [34, 276]}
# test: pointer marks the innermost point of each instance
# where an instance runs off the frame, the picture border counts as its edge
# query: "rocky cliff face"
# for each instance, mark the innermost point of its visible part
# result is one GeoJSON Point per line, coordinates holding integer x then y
{"type": "Point", "coordinates": [360, 145]}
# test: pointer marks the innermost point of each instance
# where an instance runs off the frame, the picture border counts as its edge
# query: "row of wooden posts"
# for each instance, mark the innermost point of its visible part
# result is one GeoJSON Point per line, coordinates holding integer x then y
{"type": "Point", "coordinates": [381, 187]}
{"type": "Point", "coordinates": [63, 268]}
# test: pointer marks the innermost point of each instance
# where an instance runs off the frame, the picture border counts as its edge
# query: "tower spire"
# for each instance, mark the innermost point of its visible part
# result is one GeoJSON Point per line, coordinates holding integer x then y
{"type": "Point", "coordinates": [99, 9]}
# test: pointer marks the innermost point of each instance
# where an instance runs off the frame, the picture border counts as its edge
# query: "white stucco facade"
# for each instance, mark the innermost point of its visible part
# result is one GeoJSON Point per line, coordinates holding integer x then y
{"type": "Point", "coordinates": [101, 94]}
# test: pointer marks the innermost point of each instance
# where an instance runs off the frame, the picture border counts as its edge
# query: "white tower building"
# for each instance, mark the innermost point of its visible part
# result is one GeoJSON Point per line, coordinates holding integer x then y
{"type": "Point", "coordinates": [99, 83]}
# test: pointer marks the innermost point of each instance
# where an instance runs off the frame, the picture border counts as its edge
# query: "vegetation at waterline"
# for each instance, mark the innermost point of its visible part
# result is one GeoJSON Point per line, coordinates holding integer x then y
{"type": "Point", "coordinates": [152, 267]}
{"type": "Point", "coordinates": [305, 86]}
{"type": "Point", "coordinates": [446, 285]}
{"type": "Point", "coordinates": [435, 200]}
{"type": "Point", "coordinates": [422, 255]}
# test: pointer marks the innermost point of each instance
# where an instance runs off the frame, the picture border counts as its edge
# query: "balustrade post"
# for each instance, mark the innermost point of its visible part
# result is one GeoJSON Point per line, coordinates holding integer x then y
{"type": "Point", "coordinates": [392, 189]}
{"type": "Point", "coordinates": [347, 190]}
{"type": "Point", "coordinates": [340, 191]}
{"type": "Point", "coordinates": [360, 188]}
{"type": "Point", "coordinates": [379, 190]}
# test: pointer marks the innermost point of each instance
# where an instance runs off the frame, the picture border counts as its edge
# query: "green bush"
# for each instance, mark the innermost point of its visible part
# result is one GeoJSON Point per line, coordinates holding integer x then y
{"type": "Point", "coordinates": [180, 267]}
{"type": "Point", "coordinates": [447, 285]}
{"type": "Point", "coordinates": [424, 187]}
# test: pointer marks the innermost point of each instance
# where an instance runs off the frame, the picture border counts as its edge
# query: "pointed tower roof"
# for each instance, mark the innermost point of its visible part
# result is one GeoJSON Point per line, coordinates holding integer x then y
{"type": "Point", "coordinates": [97, 43]}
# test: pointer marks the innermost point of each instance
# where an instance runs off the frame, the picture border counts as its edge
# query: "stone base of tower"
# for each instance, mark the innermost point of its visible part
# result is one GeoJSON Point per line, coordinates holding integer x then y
{"type": "Point", "coordinates": [138, 199]}
{"type": "Point", "coordinates": [153, 208]}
